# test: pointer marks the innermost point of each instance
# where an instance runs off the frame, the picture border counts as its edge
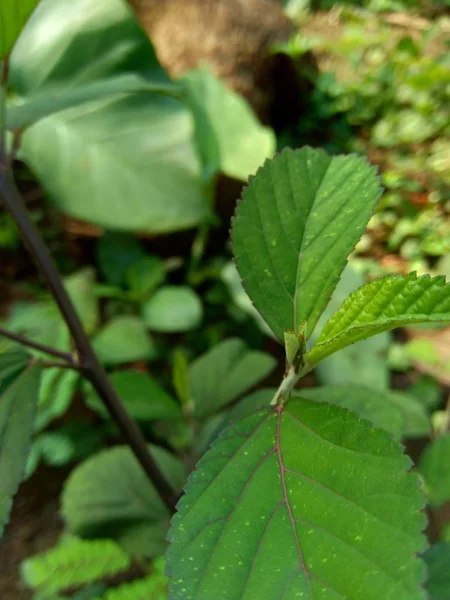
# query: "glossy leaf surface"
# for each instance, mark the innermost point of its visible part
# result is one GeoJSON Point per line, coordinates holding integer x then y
{"type": "Point", "coordinates": [307, 502]}
{"type": "Point", "coordinates": [298, 219]}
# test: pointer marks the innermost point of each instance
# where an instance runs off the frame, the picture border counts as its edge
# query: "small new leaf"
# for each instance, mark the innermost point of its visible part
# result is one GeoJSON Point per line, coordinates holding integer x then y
{"type": "Point", "coordinates": [298, 220]}
{"type": "Point", "coordinates": [304, 501]}
{"type": "Point", "coordinates": [380, 305]}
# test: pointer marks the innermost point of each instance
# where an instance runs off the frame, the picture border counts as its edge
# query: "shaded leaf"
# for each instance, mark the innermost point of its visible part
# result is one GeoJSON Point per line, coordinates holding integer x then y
{"type": "Point", "coordinates": [228, 135]}
{"type": "Point", "coordinates": [74, 562]}
{"type": "Point", "coordinates": [224, 373]}
{"type": "Point", "coordinates": [435, 467]}
{"type": "Point", "coordinates": [122, 340]}
{"type": "Point", "coordinates": [80, 286]}
{"type": "Point", "coordinates": [145, 275]}
{"type": "Point", "coordinates": [116, 253]}
{"type": "Point", "coordinates": [13, 16]}
{"type": "Point", "coordinates": [56, 392]}
{"type": "Point", "coordinates": [437, 559]}
{"type": "Point", "coordinates": [110, 493]}
{"type": "Point", "coordinates": [380, 305]}
{"type": "Point", "coordinates": [299, 218]}
{"type": "Point", "coordinates": [13, 359]}
{"type": "Point", "coordinates": [17, 410]}
{"type": "Point", "coordinates": [172, 309]}
{"type": "Point", "coordinates": [143, 397]}
{"type": "Point", "coordinates": [306, 499]}
{"type": "Point", "coordinates": [180, 377]}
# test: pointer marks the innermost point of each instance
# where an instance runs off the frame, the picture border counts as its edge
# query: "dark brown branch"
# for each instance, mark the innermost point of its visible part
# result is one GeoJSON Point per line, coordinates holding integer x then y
{"type": "Point", "coordinates": [93, 369]}
{"type": "Point", "coordinates": [20, 339]}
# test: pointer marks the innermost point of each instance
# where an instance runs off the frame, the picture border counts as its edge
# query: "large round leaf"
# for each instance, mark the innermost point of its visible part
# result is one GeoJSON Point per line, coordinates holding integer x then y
{"type": "Point", "coordinates": [110, 496]}
{"type": "Point", "coordinates": [306, 501]}
{"type": "Point", "coordinates": [173, 308]}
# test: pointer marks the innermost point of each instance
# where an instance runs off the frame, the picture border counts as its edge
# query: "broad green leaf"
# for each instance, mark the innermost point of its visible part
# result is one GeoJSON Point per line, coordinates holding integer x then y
{"type": "Point", "coordinates": [143, 397]}
{"type": "Point", "coordinates": [17, 409]}
{"type": "Point", "coordinates": [122, 340]}
{"type": "Point", "coordinates": [74, 562]}
{"type": "Point", "coordinates": [80, 286]}
{"type": "Point", "coordinates": [437, 559]}
{"type": "Point", "coordinates": [224, 373]}
{"type": "Point", "coordinates": [299, 218]}
{"type": "Point", "coordinates": [396, 412]}
{"type": "Point", "coordinates": [363, 363]}
{"type": "Point", "coordinates": [110, 493]}
{"type": "Point", "coordinates": [172, 309]}
{"type": "Point", "coordinates": [13, 16]}
{"type": "Point", "coordinates": [41, 322]}
{"type": "Point", "coordinates": [95, 159]}
{"type": "Point", "coordinates": [307, 501]}
{"type": "Point", "coordinates": [381, 305]}
{"type": "Point", "coordinates": [435, 467]}
{"type": "Point", "coordinates": [229, 137]}
{"type": "Point", "coordinates": [56, 392]}
{"type": "Point", "coordinates": [13, 359]}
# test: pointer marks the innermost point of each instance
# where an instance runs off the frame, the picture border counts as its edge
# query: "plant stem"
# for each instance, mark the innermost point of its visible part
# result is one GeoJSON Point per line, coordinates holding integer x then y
{"type": "Point", "coordinates": [286, 386]}
{"type": "Point", "coordinates": [93, 369]}
{"type": "Point", "coordinates": [20, 339]}
{"type": "Point", "coordinates": [51, 364]}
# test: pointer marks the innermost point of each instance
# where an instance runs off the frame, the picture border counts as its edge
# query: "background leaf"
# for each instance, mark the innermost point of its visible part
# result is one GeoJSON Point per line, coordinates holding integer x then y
{"type": "Point", "coordinates": [80, 286]}
{"type": "Point", "coordinates": [13, 16]}
{"type": "Point", "coordinates": [13, 359]}
{"type": "Point", "coordinates": [437, 559]}
{"type": "Point", "coordinates": [303, 210]}
{"type": "Point", "coordinates": [17, 410]}
{"type": "Point", "coordinates": [380, 305]}
{"type": "Point", "coordinates": [95, 160]}
{"type": "Point", "coordinates": [109, 495]}
{"type": "Point", "coordinates": [74, 562]}
{"type": "Point", "coordinates": [435, 467]}
{"type": "Point", "coordinates": [173, 309]}
{"type": "Point", "coordinates": [143, 397]}
{"type": "Point", "coordinates": [228, 135]}
{"type": "Point", "coordinates": [224, 373]}
{"type": "Point", "coordinates": [306, 500]}
{"type": "Point", "coordinates": [124, 339]}
{"type": "Point", "coordinates": [56, 392]}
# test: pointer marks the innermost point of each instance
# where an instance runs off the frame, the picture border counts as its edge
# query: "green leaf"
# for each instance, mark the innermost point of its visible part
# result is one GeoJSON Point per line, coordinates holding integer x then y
{"type": "Point", "coordinates": [224, 373]}
{"type": "Point", "coordinates": [17, 409]}
{"type": "Point", "coordinates": [122, 340]}
{"type": "Point", "coordinates": [306, 499]}
{"type": "Point", "coordinates": [95, 159]}
{"type": "Point", "coordinates": [56, 392]}
{"type": "Point", "coordinates": [142, 396]}
{"type": "Point", "coordinates": [363, 363]}
{"type": "Point", "coordinates": [229, 137]}
{"type": "Point", "coordinates": [144, 276]}
{"type": "Point", "coordinates": [109, 494]}
{"type": "Point", "coordinates": [115, 254]}
{"type": "Point", "coordinates": [74, 562]}
{"type": "Point", "coordinates": [13, 359]}
{"type": "Point", "coordinates": [172, 309]}
{"type": "Point", "coordinates": [435, 467]}
{"type": "Point", "coordinates": [152, 587]}
{"type": "Point", "coordinates": [437, 559]}
{"type": "Point", "coordinates": [41, 322]}
{"type": "Point", "coordinates": [381, 305]}
{"type": "Point", "coordinates": [13, 16]}
{"type": "Point", "coordinates": [80, 286]}
{"type": "Point", "coordinates": [298, 220]}
{"type": "Point", "coordinates": [180, 377]}
{"type": "Point", "coordinates": [396, 412]}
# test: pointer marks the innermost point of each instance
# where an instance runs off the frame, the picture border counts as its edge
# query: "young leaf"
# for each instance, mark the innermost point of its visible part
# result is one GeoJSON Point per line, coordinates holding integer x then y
{"type": "Point", "coordinates": [124, 339]}
{"type": "Point", "coordinates": [17, 409]}
{"type": "Point", "coordinates": [13, 16]}
{"type": "Point", "coordinates": [109, 493]}
{"type": "Point", "coordinates": [435, 467]}
{"type": "Point", "coordinates": [152, 587]}
{"type": "Point", "coordinates": [381, 305]}
{"type": "Point", "coordinates": [143, 397]}
{"type": "Point", "coordinates": [173, 309]}
{"type": "Point", "coordinates": [299, 218]}
{"type": "Point", "coordinates": [305, 501]}
{"type": "Point", "coordinates": [74, 562]}
{"type": "Point", "coordinates": [437, 559]}
{"type": "Point", "coordinates": [224, 373]}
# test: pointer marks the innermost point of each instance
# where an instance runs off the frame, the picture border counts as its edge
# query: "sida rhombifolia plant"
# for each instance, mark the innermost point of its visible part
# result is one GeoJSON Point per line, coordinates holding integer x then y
{"type": "Point", "coordinates": [303, 499]}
